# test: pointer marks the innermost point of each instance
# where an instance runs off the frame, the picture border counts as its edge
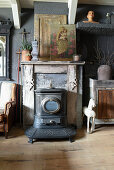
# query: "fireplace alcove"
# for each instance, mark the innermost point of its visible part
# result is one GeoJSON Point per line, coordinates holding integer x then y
{"type": "Point", "coordinates": [95, 44]}
{"type": "Point", "coordinates": [101, 36]}
{"type": "Point", "coordinates": [71, 73]}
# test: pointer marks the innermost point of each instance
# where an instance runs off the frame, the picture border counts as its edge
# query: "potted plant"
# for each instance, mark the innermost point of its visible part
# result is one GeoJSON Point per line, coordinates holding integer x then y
{"type": "Point", "coordinates": [26, 51]}
{"type": "Point", "coordinates": [27, 57]}
{"type": "Point", "coordinates": [104, 59]}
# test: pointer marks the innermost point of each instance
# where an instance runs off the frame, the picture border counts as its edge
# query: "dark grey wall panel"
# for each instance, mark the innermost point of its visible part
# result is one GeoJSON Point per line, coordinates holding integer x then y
{"type": "Point", "coordinates": [51, 8]}
{"type": "Point", "coordinates": [27, 22]}
{"type": "Point", "coordinates": [6, 13]}
{"type": "Point", "coordinates": [99, 10]}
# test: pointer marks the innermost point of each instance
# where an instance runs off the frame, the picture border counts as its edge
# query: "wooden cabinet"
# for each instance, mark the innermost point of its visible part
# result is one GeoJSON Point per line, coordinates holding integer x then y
{"type": "Point", "coordinates": [103, 93]}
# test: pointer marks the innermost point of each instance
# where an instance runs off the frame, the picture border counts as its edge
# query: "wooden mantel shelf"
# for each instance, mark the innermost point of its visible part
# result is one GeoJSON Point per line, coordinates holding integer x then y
{"type": "Point", "coordinates": [52, 63]}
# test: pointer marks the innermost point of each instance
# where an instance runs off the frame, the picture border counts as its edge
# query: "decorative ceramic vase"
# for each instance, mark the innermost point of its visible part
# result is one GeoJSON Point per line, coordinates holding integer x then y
{"type": "Point", "coordinates": [104, 72]}
{"type": "Point", "coordinates": [34, 50]}
{"type": "Point", "coordinates": [26, 57]}
{"type": "Point", "coordinates": [108, 18]}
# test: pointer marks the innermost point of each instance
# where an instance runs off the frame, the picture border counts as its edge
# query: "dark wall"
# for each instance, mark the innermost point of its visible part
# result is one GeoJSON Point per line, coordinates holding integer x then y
{"type": "Point", "coordinates": [27, 22]}
{"type": "Point", "coordinates": [51, 8]}
{"type": "Point", "coordinates": [99, 10]}
{"type": "Point", "coordinates": [90, 44]}
{"type": "Point", "coordinates": [6, 13]}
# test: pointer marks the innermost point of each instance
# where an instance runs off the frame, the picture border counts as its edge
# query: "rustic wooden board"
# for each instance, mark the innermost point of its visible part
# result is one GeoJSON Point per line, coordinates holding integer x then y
{"type": "Point", "coordinates": [42, 32]}
{"type": "Point", "coordinates": [105, 104]}
{"type": "Point", "coordinates": [52, 69]}
{"type": "Point", "coordinates": [87, 152]}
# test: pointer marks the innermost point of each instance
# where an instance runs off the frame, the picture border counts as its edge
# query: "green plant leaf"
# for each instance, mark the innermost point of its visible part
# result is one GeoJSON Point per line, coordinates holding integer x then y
{"type": "Point", "coordinates": [26, 46]}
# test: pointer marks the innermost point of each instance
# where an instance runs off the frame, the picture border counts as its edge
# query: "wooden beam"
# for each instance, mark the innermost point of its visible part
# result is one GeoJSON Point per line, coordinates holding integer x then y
{"type": "Point", "coordinates": [61, 1]}
{"type": "Point", "coordinates": [5, 4]}
{"type": "Point", "coordinates": [16, 10]}
{"type": "Point", "coordinates": [72, 5]}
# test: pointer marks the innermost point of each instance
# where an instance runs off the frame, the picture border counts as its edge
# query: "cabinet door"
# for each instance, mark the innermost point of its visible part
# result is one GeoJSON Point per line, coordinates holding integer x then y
{"type": "Point", "coordinates": [105, 104]}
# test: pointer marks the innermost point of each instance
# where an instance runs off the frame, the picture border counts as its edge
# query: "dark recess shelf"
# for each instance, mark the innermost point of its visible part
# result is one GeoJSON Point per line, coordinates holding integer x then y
{"type": "Point", "coordinates": [93, 28]}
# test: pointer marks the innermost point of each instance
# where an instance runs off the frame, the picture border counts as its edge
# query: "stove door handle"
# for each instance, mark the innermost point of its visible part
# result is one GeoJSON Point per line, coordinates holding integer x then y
{"type": "Point", "coordinates": [52, 122]}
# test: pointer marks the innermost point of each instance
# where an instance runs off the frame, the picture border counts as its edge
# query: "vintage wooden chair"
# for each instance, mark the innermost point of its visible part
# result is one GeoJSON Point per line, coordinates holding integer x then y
{"type": "Point", "coordinates": [7, 106]}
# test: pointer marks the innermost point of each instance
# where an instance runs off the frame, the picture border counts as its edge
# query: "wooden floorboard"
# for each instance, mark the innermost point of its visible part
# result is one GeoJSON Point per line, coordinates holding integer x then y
{"type": "Point", "coordinates": [88, 152]}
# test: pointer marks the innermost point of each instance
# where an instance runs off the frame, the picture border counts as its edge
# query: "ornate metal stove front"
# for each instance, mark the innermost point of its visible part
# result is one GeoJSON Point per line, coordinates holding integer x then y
{"type": "Point", "coordinates": [50, 120]}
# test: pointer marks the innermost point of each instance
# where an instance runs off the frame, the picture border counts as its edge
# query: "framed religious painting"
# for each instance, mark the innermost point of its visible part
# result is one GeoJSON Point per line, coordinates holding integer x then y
{"type": "Point", "coordinates": [62, 42]}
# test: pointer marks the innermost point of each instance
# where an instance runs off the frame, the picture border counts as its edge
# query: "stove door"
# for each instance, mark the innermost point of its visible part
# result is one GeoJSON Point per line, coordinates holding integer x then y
{"type": "Point", "coordinates": [51, 105]}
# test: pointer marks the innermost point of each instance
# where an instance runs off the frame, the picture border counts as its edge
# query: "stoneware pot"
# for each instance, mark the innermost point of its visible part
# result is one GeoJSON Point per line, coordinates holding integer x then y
{"type": "Point", "coordinates": [26, 57]}
{"type": "Point", "coordinates": [104, 72]}
{"type": "Point", "coordinates": [76, 57]}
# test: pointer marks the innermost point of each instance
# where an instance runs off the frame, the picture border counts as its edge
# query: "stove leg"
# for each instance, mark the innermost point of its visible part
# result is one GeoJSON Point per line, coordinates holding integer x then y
{"type": "Point", "coordinates": [30, 140]}
{"type": "Point", "coordinates": [71, 140]}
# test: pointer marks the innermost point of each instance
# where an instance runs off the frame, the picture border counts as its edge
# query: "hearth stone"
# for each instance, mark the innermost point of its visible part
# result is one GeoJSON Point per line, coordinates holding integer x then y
{"type": "Point", "coordinates": [50, 119]}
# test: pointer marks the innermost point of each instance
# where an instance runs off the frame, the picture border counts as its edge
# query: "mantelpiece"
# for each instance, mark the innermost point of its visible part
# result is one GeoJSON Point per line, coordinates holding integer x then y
{"type": "Point", "coordinates": [73, 73]}
{"type": "Point", "coordinates": [52, 63]}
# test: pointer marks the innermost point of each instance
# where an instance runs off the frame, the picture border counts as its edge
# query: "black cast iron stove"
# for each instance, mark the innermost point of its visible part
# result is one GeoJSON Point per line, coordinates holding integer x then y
{"type": "Point", "coordinates": [50, 120]}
